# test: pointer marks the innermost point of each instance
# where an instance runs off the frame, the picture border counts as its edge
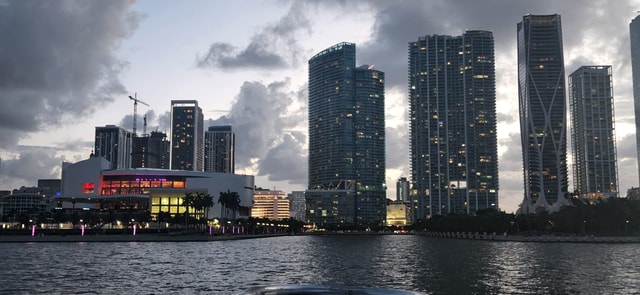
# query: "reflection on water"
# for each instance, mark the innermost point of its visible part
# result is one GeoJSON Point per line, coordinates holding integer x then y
{"type": "Point", "coordinates": [428, 265]}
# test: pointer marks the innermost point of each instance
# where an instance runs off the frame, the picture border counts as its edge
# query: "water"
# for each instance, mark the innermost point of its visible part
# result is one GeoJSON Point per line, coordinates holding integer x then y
{"type": "Point", "coordinates": [428, 265]}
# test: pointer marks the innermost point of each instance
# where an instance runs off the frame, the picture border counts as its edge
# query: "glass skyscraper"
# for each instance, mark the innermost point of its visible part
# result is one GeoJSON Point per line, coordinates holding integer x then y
{"type": "Point", "coordinates": [347, 134]}
{"type": "Point", "coordinates": [634, 33]}
{"type": "Point", "coordinates": [452, 110]}
{"type": "Point", "coordinates": [187, 136]}
{"type": "Point", "coordinates": [543, 121]}
{"type": "Point", "coordinates": [593, 138]}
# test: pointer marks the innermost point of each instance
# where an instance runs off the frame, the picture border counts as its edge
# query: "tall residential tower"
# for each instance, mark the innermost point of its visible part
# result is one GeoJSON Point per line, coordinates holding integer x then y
{"type": "Point", "coordinates": [347, 135]}
{"type": "Point", "coordinates": [114, 144]}
{"type": "Point", "coordinates": [593, 138]}
{"type": "Point", "coordinates": [634, 33]}
{"type": "Point", "coordinates": [187, 136]}
{"type": "Point", "coordinates": [452, 107]}
{"type": "Point", "coordinates": [219, 146]}
{"type": "Point", "coordinates": [543, 120]}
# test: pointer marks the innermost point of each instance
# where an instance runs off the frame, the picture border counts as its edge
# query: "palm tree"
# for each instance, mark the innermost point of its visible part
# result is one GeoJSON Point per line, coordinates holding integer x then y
{"type": "Point", "coordinates": [229, 200]}
{"type": "Point", "coordinates": [188, 200]}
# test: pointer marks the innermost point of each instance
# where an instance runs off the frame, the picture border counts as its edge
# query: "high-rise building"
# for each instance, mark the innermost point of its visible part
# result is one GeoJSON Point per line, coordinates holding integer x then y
{"type": "Point", "coordinates": [151, 151]}
{"type": "Point", "coordinates": [453, 141]}
{"type": "Point", "coordinates": [634, 33]}
{"type": "Point", "coordinates": [593, 140]}
{"type": "Point", "coordinates": [114, 144]}
{"type": "Point", "coordinates": [346, 132]}
{"type": "Point", "coordinates": [271, 204]}
{"type": "Point", "coordinates": [403, 189]}
{"type": "Point", "coordinates": [187, 135]}
{"type": "Point", "coordinates": [219, 149]}
{"type": "Point", "coordinates": [543, 120]}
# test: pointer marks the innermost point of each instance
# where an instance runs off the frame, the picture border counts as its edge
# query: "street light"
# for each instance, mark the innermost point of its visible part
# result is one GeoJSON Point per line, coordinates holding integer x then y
{"type": "Point", "coordinates": [626, 227]}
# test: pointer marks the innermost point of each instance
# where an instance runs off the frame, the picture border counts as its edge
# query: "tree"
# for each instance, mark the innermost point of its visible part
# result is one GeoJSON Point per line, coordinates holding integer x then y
{"type": "Point", "coordinates": [188, 201]}
{"type": "Point", "coordinates": [229, 200]}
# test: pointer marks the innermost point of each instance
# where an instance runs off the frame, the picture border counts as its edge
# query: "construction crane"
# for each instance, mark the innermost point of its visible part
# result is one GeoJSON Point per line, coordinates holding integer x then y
{"type": "Point", "coordinates": [135, 110]}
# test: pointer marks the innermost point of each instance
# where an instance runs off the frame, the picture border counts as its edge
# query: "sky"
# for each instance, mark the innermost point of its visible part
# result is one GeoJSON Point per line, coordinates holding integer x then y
{"type": "Point", "coordinates": [68, 66]}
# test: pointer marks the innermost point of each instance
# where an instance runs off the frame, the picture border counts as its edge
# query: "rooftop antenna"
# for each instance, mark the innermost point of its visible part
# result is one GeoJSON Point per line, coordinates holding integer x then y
{"type": "Point", "coordinates": [135, 110]}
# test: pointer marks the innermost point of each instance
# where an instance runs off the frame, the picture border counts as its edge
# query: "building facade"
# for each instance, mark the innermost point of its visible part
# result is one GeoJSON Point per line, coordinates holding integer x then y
{"type": "Point", "coordinates": [187, 136]}
{"type": "Point", "coordinates": [151, 151]}
{"type": "Point", "coordinates": [542, 107]}
{"type": "Point", "coordinates": [219, 149]}
{"type": "Point", "coordinates": [634, 34]}
{"type": "Point", "coordinates": [453, 140]}
{"type": "Point", "coordinates": [403, 189]}
{"type": "Point", "coordinates": [271, 204]}
{"type": "Point", "coordinates": [89, 185]}
{"type": "Point", "coordinates": [593, 138]}
{"type": "Point", "coordinates": [298, 205]}
{"type": "Point", "coordinates": [114, 144]}
{"type": "Point", "coordinates": [347, 130]}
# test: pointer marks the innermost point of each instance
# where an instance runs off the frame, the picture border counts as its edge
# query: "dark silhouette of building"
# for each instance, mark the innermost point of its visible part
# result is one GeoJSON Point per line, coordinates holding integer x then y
{"type": "Point", "coordinates": [219, 149]}
{"type": "Point", "coordinates": [543, 120]}
{"type": "Point", "coordinates": [114, 144]}
{"type": "Point", "coordinates": [187, 136]}
{"type": "Point", "coordinates": [634, 34]}
{"type": "Point", "coordinates": [593, 138]}
{"type": "Point", "coordinates": [347, 134]}
{"type": "Point", "coordinates": [151, 151]}
{"type": "Point", "coordinates": [453, 139]}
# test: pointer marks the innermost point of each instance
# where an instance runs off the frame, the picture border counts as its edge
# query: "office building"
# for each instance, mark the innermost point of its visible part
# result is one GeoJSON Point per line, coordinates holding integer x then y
{"type": "Point", "coordinates": [634, 33]}
{"type": "Point", "coordinates": [271, 204]}
{"type": "Point", "coordinates": [151, 151]}
{"type": "Point", "coordinates": [543, 120]}
{"type": "Point", "coordinates": [403, 189]}
{"type": "Point", "coordinates": [453, 140]}
{"type": "Point", "coordinates": [219, 149]}
{"type": "Point", "coordinates": [298, 205]}
{"type": "Point", "coordinates": [187, 136]}
{"type": "Point", "coordinates": [114, 144]}
{"type": "Point", "coordinates": [593, 140]}
{"type": "Point", "coordinates": [347, 132]}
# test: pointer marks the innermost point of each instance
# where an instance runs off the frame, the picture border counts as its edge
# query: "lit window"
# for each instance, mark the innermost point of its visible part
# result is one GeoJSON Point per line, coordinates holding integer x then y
{"type": "Point", "coordinates": [88, 187]}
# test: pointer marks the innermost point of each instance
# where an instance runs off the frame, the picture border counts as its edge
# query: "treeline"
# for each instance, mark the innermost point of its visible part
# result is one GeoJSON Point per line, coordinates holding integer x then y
{"type": "Point", "coordinates": [613, 216]}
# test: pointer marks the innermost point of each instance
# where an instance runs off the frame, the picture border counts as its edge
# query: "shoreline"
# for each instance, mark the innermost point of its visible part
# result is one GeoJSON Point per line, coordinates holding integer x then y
{"type": "Point", "coordinates": [532, 239]}
{"type": "Point", "coordinates": [149, 237]}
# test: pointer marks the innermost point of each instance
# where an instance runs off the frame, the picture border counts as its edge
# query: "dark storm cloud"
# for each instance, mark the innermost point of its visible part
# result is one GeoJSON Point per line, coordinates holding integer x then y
{"type": "Point", "coordinates": [274, 47]}
{"type": "Point", "coordinates": [31, 165]}
{"type": "Point", "coordinates": [57, 63]}
{"type": "Point", "coordinates": [262, 119]}
{"type": "Point", "coordinates": [286, 161]}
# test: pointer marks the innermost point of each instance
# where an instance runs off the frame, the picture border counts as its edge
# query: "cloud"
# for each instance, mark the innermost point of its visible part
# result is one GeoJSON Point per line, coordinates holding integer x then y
{"type": "Point", "coordinates": [274, 47]}
{"type": "Point", "coordinates": [267, 120]}
{"type": "Point", "coordinates": [57, 62]}
{"type": "Point", "coordinates": [29, 166]}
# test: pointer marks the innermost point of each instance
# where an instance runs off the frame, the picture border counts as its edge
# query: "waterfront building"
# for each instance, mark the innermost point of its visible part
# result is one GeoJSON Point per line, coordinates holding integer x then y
{"type": "Point", "coordinates": [90, 185]}
{"type": "Point", "coordinates": [271, 204]}
{"type": "Point", "coordinates": [453, 139]}
{"type": "Point", "coordinates": [634, 34]}
{"type": "Point", "coordinates": [114, 144]}
{"type": "Point", "coordinates": [593, 139]}
{"type": "Point", "coordinates": [25, 204]}
{"type": "Point", "coordinates": [328, 208]}
{"type": "Point", "coordinates": [298, 205]}
{"type": "Point", "coordinates": [187, 136]}
{"type": "Point", "coordinates": [151, 151]}
{"type": "Point", "coordinates": [543, 120]}
{"type": "Point", "coordinates": [398, 213]}
{"type": "Point", "coordinates": [347, 133]}
{"type": "Point", "coordinates": [219, 149]}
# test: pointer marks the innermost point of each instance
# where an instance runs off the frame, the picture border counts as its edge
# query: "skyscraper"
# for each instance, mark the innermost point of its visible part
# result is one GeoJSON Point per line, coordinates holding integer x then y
{"type": "Point", "coordinates": [346, 132]}
{"type": "Point", "coordinates": [452, 107]}
{"type": "Point", "coordinates": [219, 146]}
{"type": "Point", "coordinates": [634, 33]}
{"type": "Point", "coordinates": [151, 151]}
{"type": "Point", "coordinates": [114, 144]}
{"type": "Point", "coordinates": [187, 135]}
{"type": "Point", "coordinates": [543, 126]}
{"type": "Point", "coordinates": [593, 138]}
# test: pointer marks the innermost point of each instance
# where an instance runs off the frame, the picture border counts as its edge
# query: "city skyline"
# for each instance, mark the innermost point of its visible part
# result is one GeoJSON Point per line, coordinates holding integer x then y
{"type": "Point", "coordinates": [246, 68]}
